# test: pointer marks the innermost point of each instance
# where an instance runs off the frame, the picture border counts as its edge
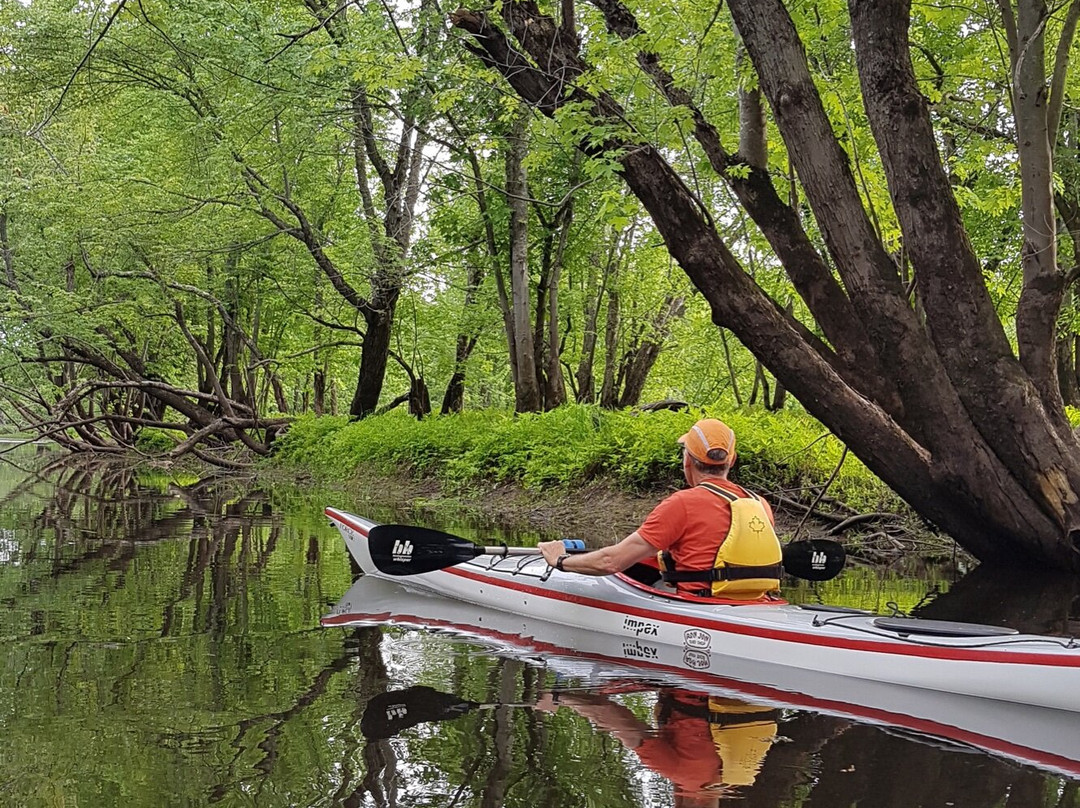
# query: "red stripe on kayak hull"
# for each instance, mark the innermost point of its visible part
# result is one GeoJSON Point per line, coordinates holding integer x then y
{"type": "Point", "coordinates": [714, 624]}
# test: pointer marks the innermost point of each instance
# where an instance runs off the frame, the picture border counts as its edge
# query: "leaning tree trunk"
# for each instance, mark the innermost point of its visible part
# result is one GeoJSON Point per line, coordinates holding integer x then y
{"type": "Point", "coordinates": [641, 359]}
{"type": "Point", "coordinates": [941, 410]}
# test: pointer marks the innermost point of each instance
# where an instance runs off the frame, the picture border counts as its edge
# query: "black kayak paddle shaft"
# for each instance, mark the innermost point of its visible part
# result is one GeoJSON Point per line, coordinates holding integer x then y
{"type": "Point", "coordinates": [411, 550]}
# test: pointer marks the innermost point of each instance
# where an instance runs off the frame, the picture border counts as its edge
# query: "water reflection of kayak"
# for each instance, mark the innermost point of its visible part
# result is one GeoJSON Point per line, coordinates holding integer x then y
{"type": "Point", "coordinates": [706, 634]}
{"type": "Point", "coordinates": [1048, 739]}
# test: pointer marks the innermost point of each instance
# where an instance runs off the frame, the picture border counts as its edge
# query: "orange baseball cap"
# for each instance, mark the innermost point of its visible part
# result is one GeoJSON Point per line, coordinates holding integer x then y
{"type": "Point", "coordinates": [711, 442]}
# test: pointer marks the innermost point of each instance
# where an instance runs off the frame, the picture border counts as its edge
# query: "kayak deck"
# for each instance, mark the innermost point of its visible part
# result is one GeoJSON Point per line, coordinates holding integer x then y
{"type": "Point", "coordinates": [981, 661]}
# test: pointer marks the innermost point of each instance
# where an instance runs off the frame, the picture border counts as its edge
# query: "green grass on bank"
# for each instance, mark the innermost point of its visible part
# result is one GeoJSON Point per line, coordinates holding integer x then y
{"type": "Point", "coordinates": [785, 452]}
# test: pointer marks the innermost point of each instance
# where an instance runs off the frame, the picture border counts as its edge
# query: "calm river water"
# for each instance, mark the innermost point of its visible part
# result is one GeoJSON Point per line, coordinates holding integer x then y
{"type": "Point", "coordinates": [162, 646]}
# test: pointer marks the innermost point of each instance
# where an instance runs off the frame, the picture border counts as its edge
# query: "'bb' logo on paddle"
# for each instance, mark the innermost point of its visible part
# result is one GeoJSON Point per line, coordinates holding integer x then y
{"type": "Point", "coordinates": [402, 551]}
{"type": "Point", "coordinates": [817, 561]}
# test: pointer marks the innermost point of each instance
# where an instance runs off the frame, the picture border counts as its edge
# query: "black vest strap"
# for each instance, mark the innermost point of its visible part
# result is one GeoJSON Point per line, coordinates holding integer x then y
{"type": "Point", "coordinates": [728, 573]}
{"type": "Point", "coordinates": [730, 496]}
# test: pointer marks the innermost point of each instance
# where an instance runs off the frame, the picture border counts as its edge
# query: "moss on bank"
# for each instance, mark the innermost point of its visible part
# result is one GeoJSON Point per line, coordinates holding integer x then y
{"type": "Point", "coordinates": [787, 454]}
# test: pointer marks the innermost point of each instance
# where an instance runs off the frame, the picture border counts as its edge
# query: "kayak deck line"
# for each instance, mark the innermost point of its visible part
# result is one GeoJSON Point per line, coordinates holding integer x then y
{"type": "Point", "coordinates": [1017, 668]}
{"type": "Point", "coordinates": [1047, 738]}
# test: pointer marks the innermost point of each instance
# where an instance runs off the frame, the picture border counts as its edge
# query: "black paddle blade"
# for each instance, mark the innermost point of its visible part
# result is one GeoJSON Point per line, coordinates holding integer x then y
{"type": "Point", "coordinates": [408, 550]}
{"type": "Point", "coordinates": [814, 559]}
{"type": "Point", "coordinates": [387, 714]}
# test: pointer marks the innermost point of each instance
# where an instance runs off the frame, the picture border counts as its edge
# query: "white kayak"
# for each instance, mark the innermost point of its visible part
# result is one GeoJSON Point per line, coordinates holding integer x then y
{"type": "Point", "coordinates": [705, 636]}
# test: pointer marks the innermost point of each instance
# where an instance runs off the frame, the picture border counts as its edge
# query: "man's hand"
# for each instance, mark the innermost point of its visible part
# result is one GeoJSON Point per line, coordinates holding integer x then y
{"type": "Point", "coordinates": [551, 550]}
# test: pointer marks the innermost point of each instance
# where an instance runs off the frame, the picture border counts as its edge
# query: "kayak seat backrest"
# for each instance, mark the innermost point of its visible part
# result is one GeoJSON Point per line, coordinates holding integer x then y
{"type": "Point", "coordinates": [941, 628]}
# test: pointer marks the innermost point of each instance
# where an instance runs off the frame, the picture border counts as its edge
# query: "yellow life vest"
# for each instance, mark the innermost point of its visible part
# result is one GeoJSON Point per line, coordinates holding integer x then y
{"type": "Point", "coordinates": [749, 560]}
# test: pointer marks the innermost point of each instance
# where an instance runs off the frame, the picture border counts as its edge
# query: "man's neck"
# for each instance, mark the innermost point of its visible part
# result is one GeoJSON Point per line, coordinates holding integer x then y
{"type": "Point", "coordinates": [701, 477]}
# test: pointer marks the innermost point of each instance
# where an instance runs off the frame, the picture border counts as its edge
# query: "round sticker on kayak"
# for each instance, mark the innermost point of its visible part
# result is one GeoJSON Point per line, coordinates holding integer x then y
{"type": "Point", "coordinates": [696, 638]}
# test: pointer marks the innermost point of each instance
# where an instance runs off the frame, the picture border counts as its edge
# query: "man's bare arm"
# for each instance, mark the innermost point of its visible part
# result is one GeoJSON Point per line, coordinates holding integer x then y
{"type": "Point", "coordinates": [605, 561]}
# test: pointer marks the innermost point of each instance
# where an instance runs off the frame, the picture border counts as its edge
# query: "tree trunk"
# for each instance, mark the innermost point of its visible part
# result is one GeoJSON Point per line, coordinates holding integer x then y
{"type": "Point", "coordinates": [753, 146]}
{"type": "Point", "coordinates": [318, 397]}
{"type": "Point", "coordinates": [1067, 343]}
{"type": "Point", "coordinates": [642, 358]}
{"type": "Point", "coordinates": [943, 412]}
{"type": "Point", "coordinates": [233, 380]}
{"type": "Point", "coordinates": [1040, 300]}
{"type": "Point", "coordinates": [594, 297]}
{"type": "Point", "coordinates": [526, 389]}
{"type": "Point", "coordinates": [419, 398]}
{"type": "Point", "coordinates": [540, 306]}
{"type": "Point", "coordinates": [547, 340]}
{"type": "Point", "coordinates": [454, 398]}
{"type": "Point", "coordinates": [733, 377]}
{"type": "Point", "coordinates": [555, 391]}
{"type": "Point", "coordinates": [373, 356]}
{"type": "Point", "coordinates": [609, 389]}
{"type": "Point", "coordinates": [583, 376]}
{"type": "Point", "coordinates": [7, 254]}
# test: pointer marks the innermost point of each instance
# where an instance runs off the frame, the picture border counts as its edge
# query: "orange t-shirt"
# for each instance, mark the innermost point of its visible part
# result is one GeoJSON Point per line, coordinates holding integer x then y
{"type": "Point", "coordinates": [691, 524]}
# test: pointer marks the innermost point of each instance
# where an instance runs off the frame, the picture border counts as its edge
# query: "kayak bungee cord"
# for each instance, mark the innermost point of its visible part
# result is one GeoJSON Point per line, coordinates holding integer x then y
{"type": "Point", "coordinates": [1067, 643]}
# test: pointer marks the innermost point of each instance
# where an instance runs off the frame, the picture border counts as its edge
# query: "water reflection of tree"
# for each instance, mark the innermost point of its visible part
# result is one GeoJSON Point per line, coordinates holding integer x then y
{"type": "Point", "coordinates": [100, 509]}
{"type": "Point", "coordinates": [1040, 602]}
{"type": "Point", "coordinates": [146, 596]}
{"type": "Point", "coordinates": [378, 774]}
{"type": "Point", "coordinates": [868, 766]}
{"type": "Point", "coordinates": [104, 518]}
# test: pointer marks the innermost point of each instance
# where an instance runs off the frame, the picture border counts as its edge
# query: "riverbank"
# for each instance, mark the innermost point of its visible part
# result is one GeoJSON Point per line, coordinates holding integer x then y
{"type": "Point", "coordinates": [581, 471]}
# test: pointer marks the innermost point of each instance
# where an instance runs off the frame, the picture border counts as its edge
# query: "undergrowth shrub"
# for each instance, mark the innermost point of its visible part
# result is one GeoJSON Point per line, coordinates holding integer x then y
{"type": "Point", "coordinates": [1073, 414]}
{"type": "Point", "coordinates": [786, 452]}
{"type": "Point", "coordinates": [153, 440]}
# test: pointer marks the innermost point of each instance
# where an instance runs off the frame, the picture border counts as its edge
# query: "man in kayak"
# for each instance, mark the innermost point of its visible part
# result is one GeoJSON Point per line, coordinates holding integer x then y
{"type": "Point", "coordinates": [713, 538]}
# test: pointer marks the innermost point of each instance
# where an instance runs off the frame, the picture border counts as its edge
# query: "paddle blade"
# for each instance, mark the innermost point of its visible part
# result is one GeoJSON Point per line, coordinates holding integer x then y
{"type": "Point", "coordinates": [387, 714]}
{"type": "Point", "coordinates": [814, 559]}
{"type": "Point", "coordinates": [409, 550]}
